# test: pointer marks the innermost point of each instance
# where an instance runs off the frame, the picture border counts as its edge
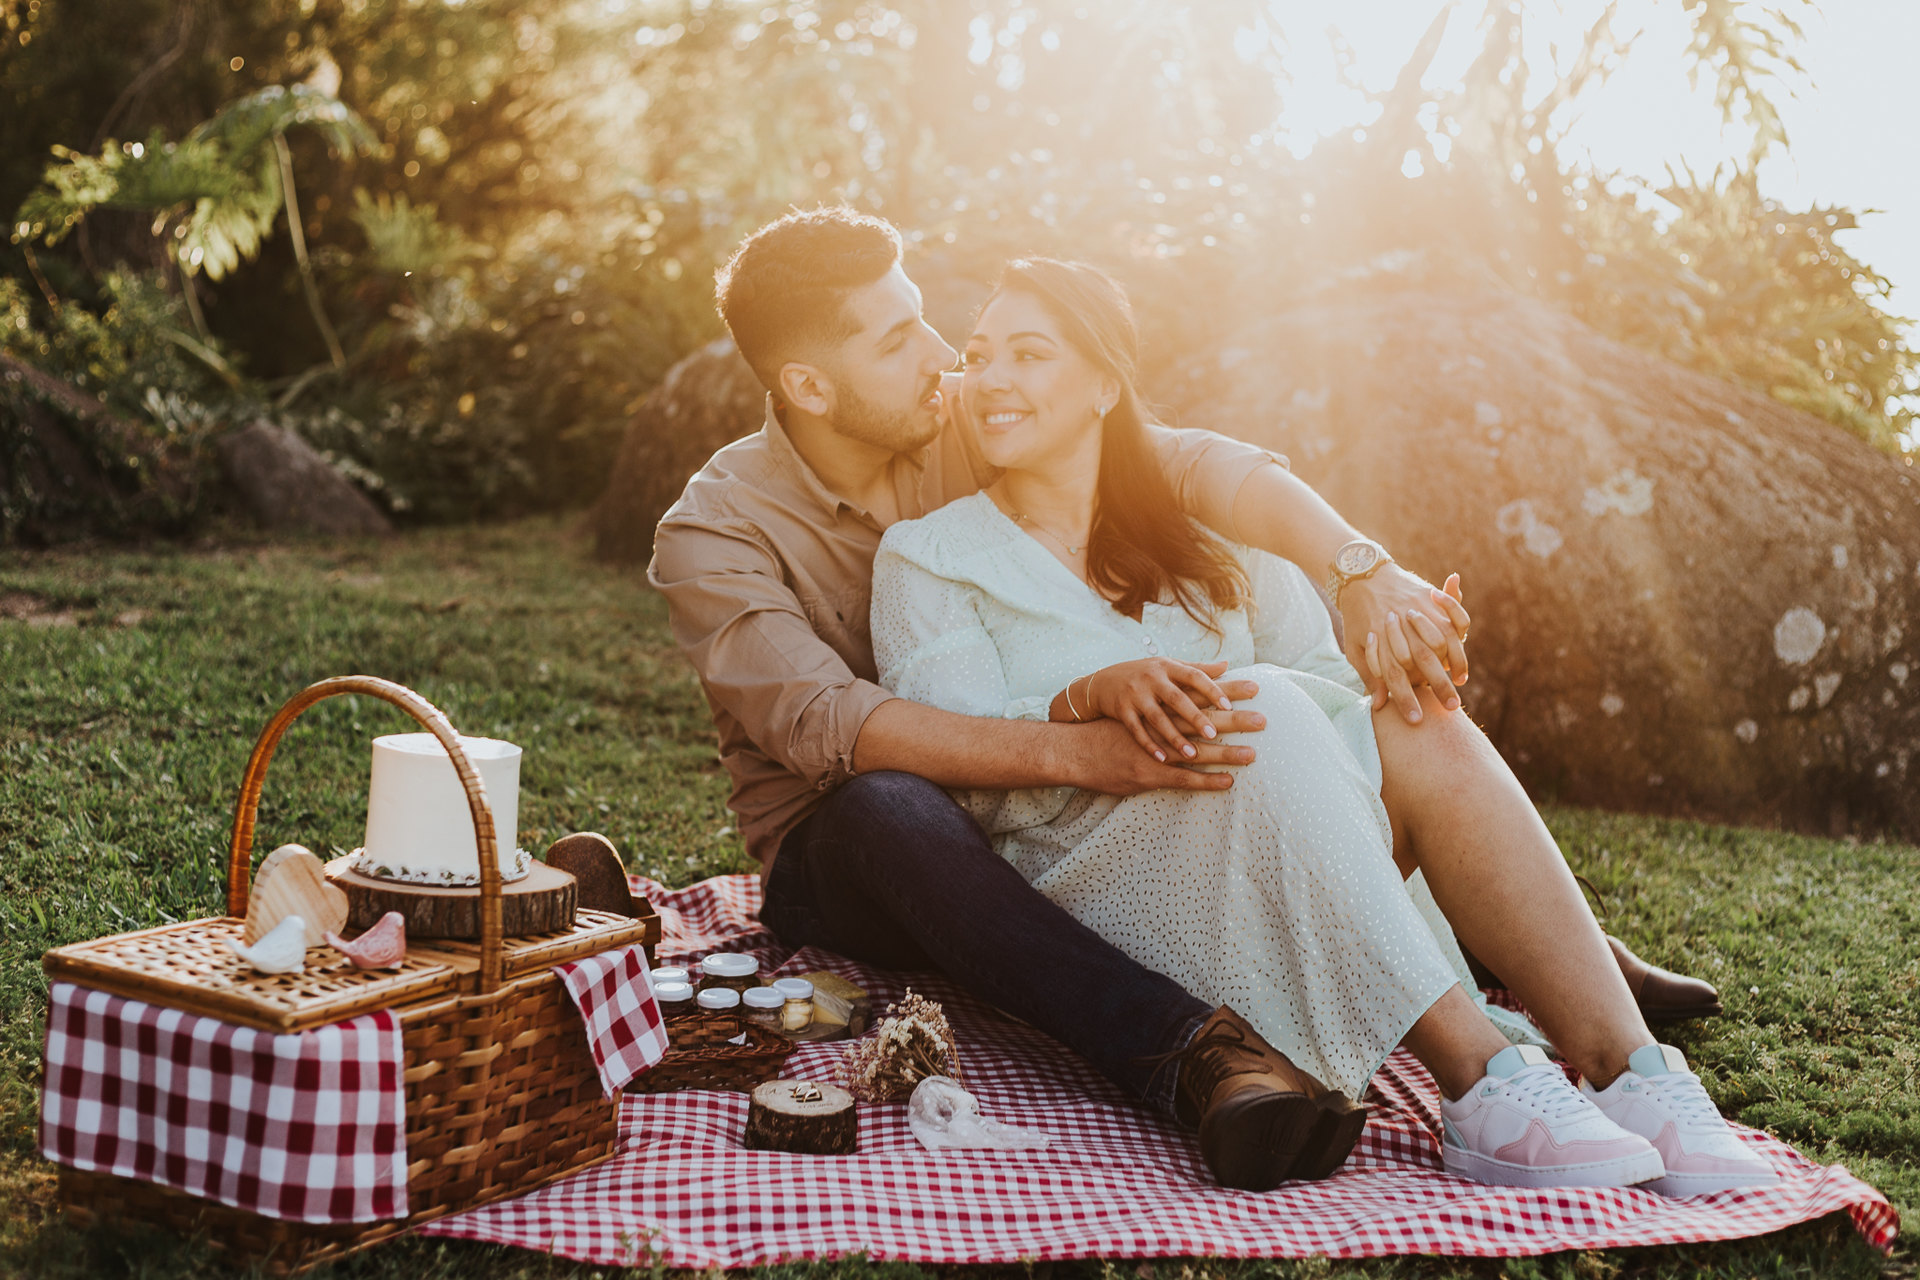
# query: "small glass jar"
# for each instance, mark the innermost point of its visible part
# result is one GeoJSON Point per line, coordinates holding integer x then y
{"type": "Point", "coordinates": [670, 973]}
{"type": "Point", "coordinates": [676, 999]}
{"type": "Point", "coordinates": [720, 1010]}
{"type": "Point", "coordinates": [796, 999]}
{"type": "Point", "coordinates": [763, 1007]}
{"type": "Point", "coordinates": [735, 973]}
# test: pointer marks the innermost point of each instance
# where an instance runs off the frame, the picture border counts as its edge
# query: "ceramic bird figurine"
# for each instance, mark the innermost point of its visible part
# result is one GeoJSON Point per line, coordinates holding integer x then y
{"type": "Point", "coordinates": [283, 950]}
{"type": "Point", "coordinates": [382, 947]}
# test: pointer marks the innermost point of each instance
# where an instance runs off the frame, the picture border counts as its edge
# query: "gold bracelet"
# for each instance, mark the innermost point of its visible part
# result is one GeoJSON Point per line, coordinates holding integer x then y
{"type": "Point", "coordinates": [1076, 711]}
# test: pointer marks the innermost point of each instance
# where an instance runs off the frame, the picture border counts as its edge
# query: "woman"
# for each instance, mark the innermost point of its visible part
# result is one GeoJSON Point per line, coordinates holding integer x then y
{"type": "Point", "coordinates": [1073, 588]}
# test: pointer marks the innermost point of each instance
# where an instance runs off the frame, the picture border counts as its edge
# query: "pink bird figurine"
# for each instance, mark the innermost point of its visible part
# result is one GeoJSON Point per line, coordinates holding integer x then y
{"type": "Point", "coordinates": [382, 947]}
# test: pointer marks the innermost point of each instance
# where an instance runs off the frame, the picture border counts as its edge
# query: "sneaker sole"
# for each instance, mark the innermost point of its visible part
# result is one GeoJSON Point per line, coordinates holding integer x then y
{"type": "Point", "coordinates": [1624, 1171]}
{"type": "Point", "coordinates": [1681, 1185]}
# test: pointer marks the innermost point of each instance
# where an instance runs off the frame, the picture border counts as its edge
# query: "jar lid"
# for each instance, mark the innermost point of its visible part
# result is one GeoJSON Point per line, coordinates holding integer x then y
{"type": "Point", "coordinates": [724, 966]}
{"type": "Point", "coordinates": [673, 992]}
{"type": "Point", "coordinates": [670, 973]}
{"type": "Point", "coordinates": [762, 998]}
{"type": "Point", "coordinates": [794, 988]}
{"type": "Point", "coordinates": [719, 998]}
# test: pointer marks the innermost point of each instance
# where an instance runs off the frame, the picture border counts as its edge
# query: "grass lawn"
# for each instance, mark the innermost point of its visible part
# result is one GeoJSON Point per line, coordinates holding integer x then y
{"type": "Point", "coordinates": [133, 683]}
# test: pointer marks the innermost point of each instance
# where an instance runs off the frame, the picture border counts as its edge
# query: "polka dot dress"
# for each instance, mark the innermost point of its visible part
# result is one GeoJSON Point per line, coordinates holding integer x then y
{"type": "Point", "coordinates": [1278, 897]}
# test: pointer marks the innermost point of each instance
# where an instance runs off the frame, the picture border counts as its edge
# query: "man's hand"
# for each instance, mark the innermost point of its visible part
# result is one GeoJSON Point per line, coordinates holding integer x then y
{"type": "Point", "coordinates": [1401, 633]}
{"type": "Point", "coordinates": [1102, 756]}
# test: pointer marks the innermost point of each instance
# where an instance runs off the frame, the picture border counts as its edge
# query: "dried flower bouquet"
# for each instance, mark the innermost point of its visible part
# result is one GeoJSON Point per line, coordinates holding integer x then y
{"type": "Point", "coordinates": [912, 1043]}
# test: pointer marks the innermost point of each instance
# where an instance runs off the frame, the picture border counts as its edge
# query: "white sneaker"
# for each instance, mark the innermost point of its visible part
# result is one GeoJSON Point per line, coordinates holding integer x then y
{"type": "Point", "coordinates": [1525, 1125]}
{"type": "Point", "coordinates": [1659, 1099]}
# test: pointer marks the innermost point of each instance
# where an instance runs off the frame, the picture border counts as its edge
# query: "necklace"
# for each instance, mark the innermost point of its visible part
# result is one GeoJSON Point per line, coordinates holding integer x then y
{"type": "Point", "coordinates": [1023, 519]}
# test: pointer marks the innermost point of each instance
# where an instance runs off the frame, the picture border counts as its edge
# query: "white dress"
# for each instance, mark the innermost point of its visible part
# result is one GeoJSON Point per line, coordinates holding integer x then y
{"type": "Point", "coordinates": [1278, 897]}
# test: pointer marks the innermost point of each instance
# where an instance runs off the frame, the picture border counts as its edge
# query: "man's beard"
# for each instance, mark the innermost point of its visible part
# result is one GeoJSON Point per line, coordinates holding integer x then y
{"type": "Point", "coordinates": [892, 429]}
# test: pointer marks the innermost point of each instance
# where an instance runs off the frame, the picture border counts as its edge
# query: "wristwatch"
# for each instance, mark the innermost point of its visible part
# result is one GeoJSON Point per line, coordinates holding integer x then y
{"type": "Point", "coordinates": [1361, 558]}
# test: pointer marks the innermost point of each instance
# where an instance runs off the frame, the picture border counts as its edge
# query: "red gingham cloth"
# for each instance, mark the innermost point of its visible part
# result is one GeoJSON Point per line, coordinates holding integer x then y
{"type": "Point", "coordinates": [615, 998]}
{"type": "Point", "coordinates": [308, 1127]}
{"type": "Point", "coordinates": [1116, 1181]}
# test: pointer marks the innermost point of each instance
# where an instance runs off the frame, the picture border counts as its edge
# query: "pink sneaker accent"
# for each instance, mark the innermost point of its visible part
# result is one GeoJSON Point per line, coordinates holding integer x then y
{"type": "Point", "coordinates": [1525, 1125]}
{"type": "Point", "coordinates": [1661, 1100]}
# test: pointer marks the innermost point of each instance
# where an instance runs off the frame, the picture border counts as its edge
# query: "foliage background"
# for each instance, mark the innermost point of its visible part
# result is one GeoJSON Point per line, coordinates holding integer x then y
{"type": "Point", "coordinates": [521, 241]}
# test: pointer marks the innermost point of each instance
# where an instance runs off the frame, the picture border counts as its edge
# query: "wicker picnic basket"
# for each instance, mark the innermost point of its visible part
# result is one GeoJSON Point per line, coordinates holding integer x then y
{"type": "Point", "coordinates": [502, 1094]}
{"type": "Point", "coordinates": [702, 1056]}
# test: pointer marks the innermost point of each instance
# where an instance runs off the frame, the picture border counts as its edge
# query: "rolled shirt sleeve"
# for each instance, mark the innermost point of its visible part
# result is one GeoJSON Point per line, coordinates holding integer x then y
{"type": "Point", "coordinates": [759, 658]}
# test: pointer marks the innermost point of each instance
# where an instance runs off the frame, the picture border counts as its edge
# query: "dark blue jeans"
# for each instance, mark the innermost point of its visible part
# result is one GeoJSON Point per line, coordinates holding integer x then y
{"type": "Point", "coordinates": [891, 872]}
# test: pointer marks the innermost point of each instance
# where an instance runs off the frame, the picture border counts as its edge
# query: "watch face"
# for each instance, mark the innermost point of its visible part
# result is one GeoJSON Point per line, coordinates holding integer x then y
{"type": "Point", "coordinates": [1357, 557]}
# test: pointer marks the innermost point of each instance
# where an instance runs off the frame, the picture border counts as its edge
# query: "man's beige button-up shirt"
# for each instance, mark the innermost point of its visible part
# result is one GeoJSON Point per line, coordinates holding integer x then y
{"type": "Point", "coordinates": [768, 575]}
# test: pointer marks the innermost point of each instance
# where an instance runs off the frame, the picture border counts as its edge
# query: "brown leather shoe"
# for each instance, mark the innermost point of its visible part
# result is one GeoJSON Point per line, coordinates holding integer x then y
{"type": "Point", "coordinates": [1664, 996]}
{"type": "Point", "coordinates": [1261, 1119]}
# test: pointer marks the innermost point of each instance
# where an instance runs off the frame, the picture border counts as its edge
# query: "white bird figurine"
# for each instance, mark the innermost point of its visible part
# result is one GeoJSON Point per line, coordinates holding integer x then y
{"type": "Point", "coordinates": [283, 950]}
{"type": "Point", "coordinates": [382, 947]}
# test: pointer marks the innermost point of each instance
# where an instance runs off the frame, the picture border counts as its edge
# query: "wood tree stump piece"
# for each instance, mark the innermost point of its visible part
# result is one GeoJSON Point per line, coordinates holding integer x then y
{"type": "Point", "coordinates": [802, 1117]}
{"type": "Point", "coordinates": [542, 902]}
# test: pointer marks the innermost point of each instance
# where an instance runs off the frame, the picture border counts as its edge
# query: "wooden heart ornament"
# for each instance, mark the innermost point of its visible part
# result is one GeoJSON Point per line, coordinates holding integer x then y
{"type": "Point", "coordinates": [292, 882]}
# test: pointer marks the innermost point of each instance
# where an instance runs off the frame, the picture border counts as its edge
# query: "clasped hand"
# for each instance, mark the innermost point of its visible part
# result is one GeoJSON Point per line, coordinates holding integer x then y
{"type": "Point", "coordinates": [1167, 705]}
{"type": "Point", "coordinates": [1403, 632]}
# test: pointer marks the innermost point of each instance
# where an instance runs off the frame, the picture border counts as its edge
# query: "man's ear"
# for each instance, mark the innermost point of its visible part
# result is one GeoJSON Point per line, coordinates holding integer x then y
{"type": "Point", "coordinates": [807, 388]}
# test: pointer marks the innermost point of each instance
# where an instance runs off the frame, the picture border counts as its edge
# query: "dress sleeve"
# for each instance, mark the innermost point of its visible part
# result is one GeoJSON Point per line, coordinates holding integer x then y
{"type": "Point", "coordinates": [1291, 626]}
{"type": "Point", "coordinates": [931, 647]}
{"type": "Point", "coordinates": [1207, 470]}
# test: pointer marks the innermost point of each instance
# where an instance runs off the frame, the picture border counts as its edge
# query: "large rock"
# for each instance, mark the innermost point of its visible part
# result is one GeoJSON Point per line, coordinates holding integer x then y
{"type": "Point", "coordinates": [707, 400]}
{"type": "Point", "coordinates": [1687, 598]}
{"type": "Point", "coordinates": [288, 487]}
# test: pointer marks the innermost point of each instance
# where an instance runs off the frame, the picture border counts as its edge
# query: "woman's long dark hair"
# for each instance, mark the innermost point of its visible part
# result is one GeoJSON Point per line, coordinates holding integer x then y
{"type": "Point", "coordinates": [1143, 546]}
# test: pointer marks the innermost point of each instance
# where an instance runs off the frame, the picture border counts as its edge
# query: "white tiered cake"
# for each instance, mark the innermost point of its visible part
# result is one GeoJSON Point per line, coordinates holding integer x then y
{"type": "Point", "coordinates": [419, 825]}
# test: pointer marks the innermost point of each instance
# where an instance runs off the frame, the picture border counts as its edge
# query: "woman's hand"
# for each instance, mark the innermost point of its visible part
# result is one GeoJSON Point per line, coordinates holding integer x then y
{"type": "Point", "coordinates": [1402, 632]}
{"type": "Point", "coordinates": [1159, 700]}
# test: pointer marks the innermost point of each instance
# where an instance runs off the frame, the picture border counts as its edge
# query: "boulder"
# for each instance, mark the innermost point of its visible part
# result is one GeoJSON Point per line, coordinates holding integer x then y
{"type": "Point", "coordinates": [289, 487]}
{"type": "Point", "coordinates": [707, 400]}
{"type": "Point", "coordinates": [1687, 598]}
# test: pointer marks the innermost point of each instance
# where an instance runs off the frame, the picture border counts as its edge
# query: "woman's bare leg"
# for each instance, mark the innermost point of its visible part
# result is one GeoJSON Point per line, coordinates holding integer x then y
{"type": "Point", "coordinates": [1454, 1041]}
{"type": "Point", "coordinates": [1461, 816]}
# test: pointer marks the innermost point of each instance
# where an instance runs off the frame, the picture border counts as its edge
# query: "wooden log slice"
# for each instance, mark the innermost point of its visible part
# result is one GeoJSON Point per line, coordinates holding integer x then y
{"type": "Point", "coordinates": [802, 1117]}
{"type": "Point", "coordinates": [543, 901]}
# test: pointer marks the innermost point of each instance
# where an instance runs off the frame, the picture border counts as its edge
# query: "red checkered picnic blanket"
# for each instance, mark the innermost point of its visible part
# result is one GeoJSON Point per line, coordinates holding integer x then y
{"type": "Point", "coordinates": [308, 1127]}
{"type": "Point", "coordinates": [1116, 1181]}
{"type": "Point", "coordinates": [615, 998]}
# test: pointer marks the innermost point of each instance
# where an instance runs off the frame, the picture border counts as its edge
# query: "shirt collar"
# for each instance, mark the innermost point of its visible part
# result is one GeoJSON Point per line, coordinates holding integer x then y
{"type": "Point", "coordinates": [780, 447]}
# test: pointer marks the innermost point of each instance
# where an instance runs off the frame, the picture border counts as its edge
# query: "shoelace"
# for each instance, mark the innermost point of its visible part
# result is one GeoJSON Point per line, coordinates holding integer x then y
{"type": "Point", "coordinates": [1545, 1088]}
{"type": "Point", "coordinates": [1687, 1099]}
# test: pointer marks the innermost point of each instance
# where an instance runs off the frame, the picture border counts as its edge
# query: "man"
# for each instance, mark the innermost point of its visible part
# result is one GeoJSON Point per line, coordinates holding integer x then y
{"type": "Point", "coordinates": [766, 565]}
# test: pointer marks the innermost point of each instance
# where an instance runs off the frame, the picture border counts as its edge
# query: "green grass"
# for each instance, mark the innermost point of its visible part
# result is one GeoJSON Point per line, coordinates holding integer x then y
{"type": "Point", "coordinates": [133, 683]}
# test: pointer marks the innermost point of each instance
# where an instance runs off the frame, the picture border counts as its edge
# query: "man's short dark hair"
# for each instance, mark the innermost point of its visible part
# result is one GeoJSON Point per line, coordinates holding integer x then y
{"type": "Point", "coordinates": [783, 293]}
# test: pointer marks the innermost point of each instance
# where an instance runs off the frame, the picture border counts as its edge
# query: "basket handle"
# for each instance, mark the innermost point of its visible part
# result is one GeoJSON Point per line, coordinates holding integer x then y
{"type": "Point", "coordinates": [240, 851]}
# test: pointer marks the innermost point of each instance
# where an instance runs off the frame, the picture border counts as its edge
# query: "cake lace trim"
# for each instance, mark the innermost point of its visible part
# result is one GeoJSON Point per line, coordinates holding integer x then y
{"type": "Point", "coordinates": [438, 877]}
